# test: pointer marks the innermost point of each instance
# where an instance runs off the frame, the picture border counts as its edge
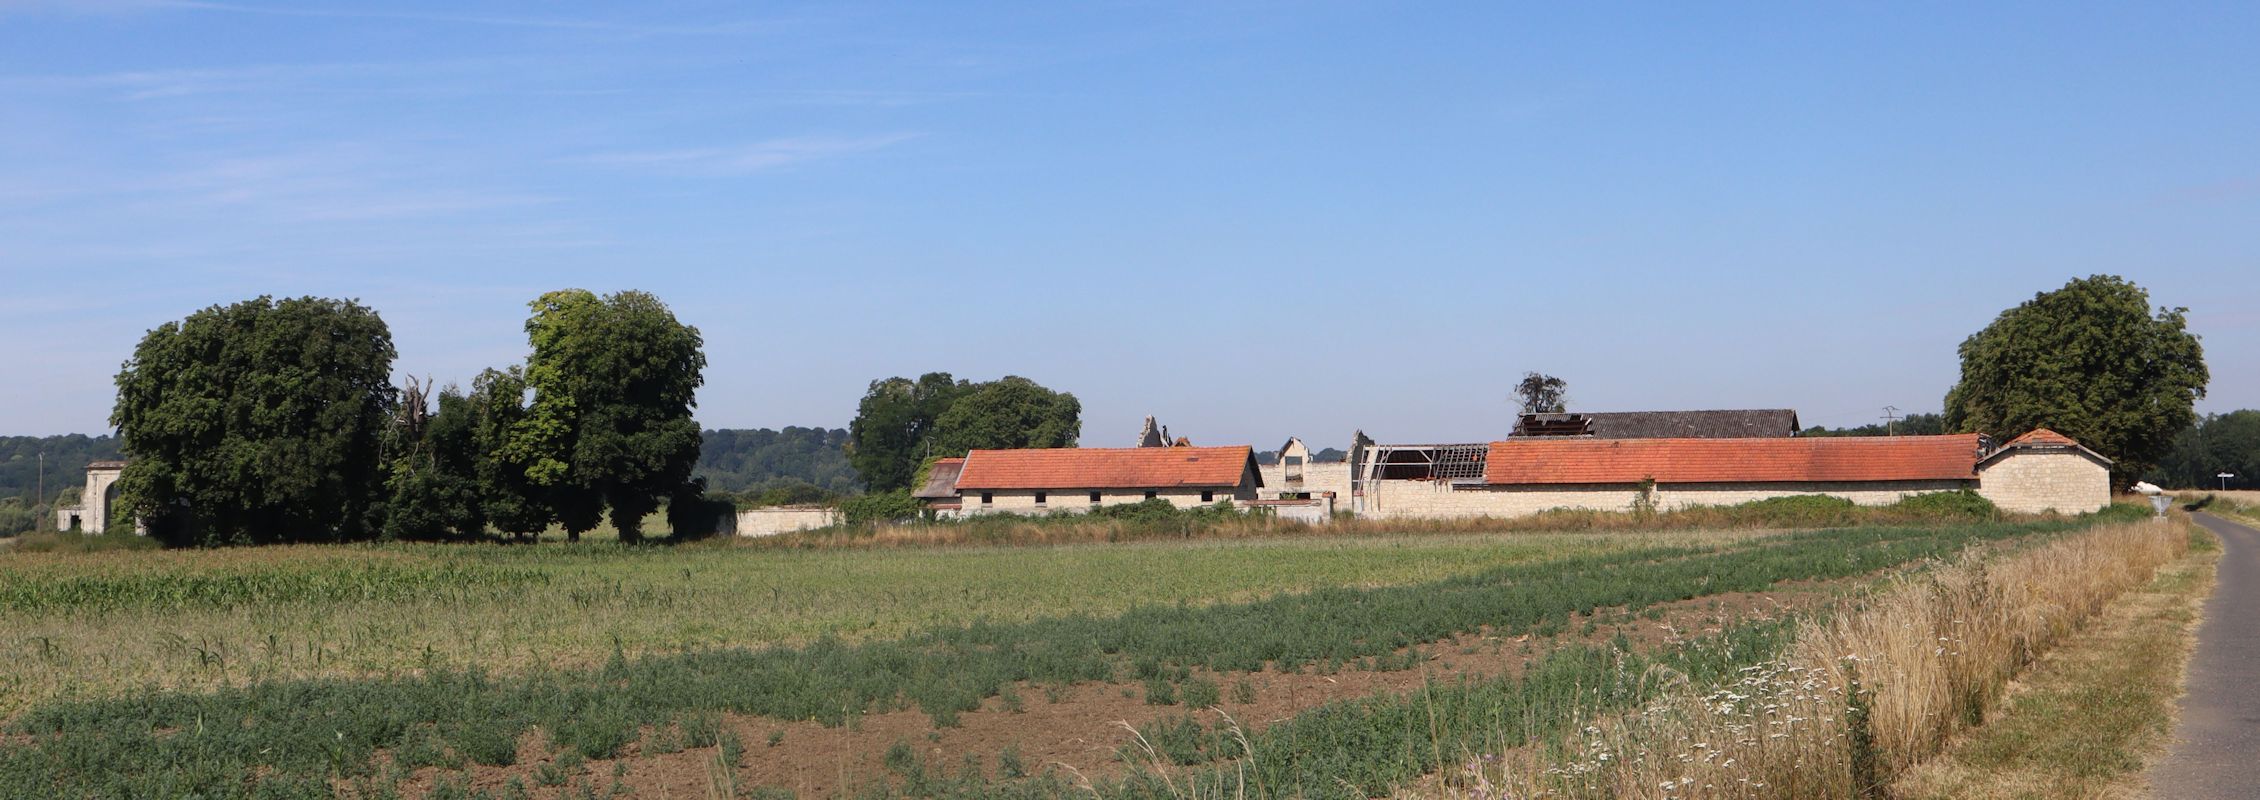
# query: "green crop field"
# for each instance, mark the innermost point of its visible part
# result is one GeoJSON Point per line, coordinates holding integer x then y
{"type": "Point", "coordinates": [303, 671]}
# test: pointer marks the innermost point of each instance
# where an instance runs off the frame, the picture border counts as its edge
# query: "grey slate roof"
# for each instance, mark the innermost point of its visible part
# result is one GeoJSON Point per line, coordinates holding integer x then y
{"type": "Point", "coordinates": [1764, 423]}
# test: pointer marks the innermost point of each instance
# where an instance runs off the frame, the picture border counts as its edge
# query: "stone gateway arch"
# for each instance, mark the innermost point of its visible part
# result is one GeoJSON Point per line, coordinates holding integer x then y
{"type": "Point", "coordinates": [92, 514]}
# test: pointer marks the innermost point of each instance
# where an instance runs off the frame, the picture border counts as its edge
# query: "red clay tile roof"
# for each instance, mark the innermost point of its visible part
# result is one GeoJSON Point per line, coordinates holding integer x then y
{"type": "Point", "coordinates": [2043, 436]}
{"type": "Point", "coordinates": [1772, 460]}
{"type": "Point", "coordinates": [1105, 468]}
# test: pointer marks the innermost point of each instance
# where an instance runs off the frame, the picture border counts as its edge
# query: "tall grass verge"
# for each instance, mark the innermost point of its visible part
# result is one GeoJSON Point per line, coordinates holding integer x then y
{"type": "Point", "coordinates": [1864, 696]}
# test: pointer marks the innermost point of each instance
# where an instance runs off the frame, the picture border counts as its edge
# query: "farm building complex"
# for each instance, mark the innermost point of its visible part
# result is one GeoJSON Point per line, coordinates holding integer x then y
{"type": "Point", "coordinates": [1598, 462]}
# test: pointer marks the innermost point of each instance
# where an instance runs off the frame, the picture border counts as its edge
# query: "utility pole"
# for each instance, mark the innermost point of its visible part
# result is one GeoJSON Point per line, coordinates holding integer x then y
{"type": "Point", "coordinates": [1890, 420]}
{"type": "Point", "coordinates": [40, 502]}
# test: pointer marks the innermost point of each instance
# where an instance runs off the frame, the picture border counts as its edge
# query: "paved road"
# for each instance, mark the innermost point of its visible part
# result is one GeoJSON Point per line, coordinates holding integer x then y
{"type": "Point", "coordinates": [2216, 752]}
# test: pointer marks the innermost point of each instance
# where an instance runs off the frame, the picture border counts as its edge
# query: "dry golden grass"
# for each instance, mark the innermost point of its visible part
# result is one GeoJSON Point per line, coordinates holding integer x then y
{"type": "Point", "coordinates": [2089, 717]}
{"type": "Point", "coordinates": [1864, 697]}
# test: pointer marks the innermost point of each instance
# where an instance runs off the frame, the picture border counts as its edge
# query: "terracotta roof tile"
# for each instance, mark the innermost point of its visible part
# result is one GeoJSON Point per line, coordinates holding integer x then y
{"type": "Point", "coordinates": [1105, 468]}
{"type": "Point", "coordinates": [1772, 460]}
{"type": "Point", "coordinates": [2043, 436]}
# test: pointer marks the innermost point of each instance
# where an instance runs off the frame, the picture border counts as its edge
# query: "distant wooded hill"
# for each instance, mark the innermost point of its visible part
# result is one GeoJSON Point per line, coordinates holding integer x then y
{"type": "Point", "coordinates": [753, 461]}
{"type": "Point", "coordinates": [67, 456]}
{"type": "Point", "coordinates": [1327, 455]}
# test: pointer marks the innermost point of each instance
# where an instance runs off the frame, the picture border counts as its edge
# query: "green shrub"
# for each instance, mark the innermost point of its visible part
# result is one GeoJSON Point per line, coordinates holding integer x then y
{"type": "Point", "coordinates": [878, 507]}
{"type": "Point", "coordinates": [1962, 504]}
{"type": "Point", "coordinates": [694, 514]}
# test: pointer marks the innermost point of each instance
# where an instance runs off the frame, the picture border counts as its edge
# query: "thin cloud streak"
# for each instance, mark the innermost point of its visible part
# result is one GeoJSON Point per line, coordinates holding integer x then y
{"type": "Point", "coordinates": [755, 157]}
{"type": "Point", "coordinates": [714, 29]}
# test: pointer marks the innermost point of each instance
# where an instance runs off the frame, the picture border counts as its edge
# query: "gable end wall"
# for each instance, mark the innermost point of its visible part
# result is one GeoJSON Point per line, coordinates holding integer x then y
{"type": "Point", "coordinates": [2029, 481]}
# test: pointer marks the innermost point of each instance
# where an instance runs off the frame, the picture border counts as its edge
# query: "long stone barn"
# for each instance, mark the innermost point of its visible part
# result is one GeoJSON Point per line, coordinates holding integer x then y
{"type": "Point", "coordinates": [1078, 479]}
{"type": "Point", "coordinates": [2041, 471]}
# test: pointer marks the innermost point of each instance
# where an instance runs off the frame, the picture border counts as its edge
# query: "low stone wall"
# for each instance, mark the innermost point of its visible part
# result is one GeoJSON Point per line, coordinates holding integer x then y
{"type": "Point", "coordinates": [773, 521]}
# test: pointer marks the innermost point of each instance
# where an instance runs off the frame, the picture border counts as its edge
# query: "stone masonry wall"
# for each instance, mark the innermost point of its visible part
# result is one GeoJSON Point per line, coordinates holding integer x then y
{"type": "Point", "coordinates": [1330, 477]}
{"type": "Point", "coordinates": [1431, 500]}
{"type": "Point", "coordinates": [2037, 481]}
{"type": "Point", "coordinates": [773, 521]}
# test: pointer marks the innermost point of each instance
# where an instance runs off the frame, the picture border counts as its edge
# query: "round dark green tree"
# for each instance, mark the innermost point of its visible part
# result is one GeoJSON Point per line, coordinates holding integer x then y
{"type": "Point", "coordinates": [258, 422]}
{"type": "Point", "coordinates": [2092, 361]}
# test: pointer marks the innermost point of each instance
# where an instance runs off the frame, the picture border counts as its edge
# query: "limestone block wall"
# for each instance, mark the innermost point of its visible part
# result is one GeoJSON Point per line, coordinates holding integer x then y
{"type": "Point", "coordinates": [773, 521]}
{"type": "Point", "coordinates": [2032, 481]}
{"type": "Point", "coordinates": [1432, 500]}
{"type": "Point", "coordinates": [1330, 477]}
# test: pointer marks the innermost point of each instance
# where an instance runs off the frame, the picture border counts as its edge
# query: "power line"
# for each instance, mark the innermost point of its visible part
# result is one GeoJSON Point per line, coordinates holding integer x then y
{"type": "Point", "coordinates": [1890, 420]}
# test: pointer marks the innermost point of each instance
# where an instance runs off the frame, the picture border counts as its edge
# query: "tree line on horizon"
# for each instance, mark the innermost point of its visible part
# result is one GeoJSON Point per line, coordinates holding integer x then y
{"type": "Point", "coordinates": [270, 421]}
{"type": "Point", "coordinates": [276, 421]}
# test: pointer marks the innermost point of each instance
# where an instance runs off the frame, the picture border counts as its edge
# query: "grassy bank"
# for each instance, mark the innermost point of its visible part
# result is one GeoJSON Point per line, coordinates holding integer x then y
{"type": "Point", "coordinates": [2087, 718]}
{"type": "Point", "coordinates": [1863, 698]}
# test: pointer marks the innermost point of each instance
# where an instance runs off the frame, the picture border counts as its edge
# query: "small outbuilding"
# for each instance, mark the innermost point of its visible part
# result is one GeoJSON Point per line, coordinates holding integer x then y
{"type": "Point", "coordinates": [2045, 471]}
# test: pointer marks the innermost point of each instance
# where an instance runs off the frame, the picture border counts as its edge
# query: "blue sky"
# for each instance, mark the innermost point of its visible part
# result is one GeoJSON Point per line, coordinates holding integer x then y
{"type": "Point", "coordinates": [1253, 220]}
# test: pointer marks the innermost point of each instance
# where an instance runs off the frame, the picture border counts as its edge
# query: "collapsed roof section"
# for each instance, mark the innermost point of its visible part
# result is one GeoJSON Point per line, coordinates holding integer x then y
{"type": "Point", "coordinates": [1445, 463]}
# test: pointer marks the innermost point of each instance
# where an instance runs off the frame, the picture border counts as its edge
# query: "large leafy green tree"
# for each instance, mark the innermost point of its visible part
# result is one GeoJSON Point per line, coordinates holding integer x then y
{"type": "Point", "coordinates": [902, 423]}
{"type": "Point", "coordinates": [1009, 413]}
{"type": "Point", "coordinates": [888, 438]}
{"type": "Point", "coordinates": [2091, 361]}
{"type": "Point", "coordinates": [614, 381]}
{"type": "Point", "coordinates": [258, 422]}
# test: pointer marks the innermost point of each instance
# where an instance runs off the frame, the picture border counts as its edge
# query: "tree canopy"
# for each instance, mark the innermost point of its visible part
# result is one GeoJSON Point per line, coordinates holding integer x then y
{"type": "Point", "coordinates": [902, 423]}
{"type": "Point", "coordinates": [257, 422]}
{"type": "Point", "coordinates": [888, 438]}
{"type": "Point", "coordinates": [1916, 424]}
{"type": "Point", "coordinates": [1541, 394]}
{"type": "Point", "coordinates": [614, 381]}
{"type": "Point", "coordinates": [1007, 414]}
{"type": "Point", "coordinates": [2091, 361]}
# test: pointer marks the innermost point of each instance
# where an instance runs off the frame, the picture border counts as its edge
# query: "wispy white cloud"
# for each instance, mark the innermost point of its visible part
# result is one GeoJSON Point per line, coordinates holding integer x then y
{"type": "Point", "coordinates": [606, 26]}
{"type": "Point", "coordinates": [741, 159]}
